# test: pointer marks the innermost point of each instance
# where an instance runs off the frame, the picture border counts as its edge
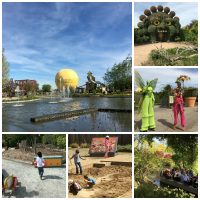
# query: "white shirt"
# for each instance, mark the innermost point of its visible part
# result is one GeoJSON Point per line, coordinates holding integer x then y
{"type": "Point", "coordinates": [40, 162]}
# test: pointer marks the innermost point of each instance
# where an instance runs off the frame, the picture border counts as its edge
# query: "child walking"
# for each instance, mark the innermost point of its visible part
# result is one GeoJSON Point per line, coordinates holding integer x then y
{"type": "Point", "coordinates": [77, 161]}
{"type": "Point", "coordinates": [40, 164]}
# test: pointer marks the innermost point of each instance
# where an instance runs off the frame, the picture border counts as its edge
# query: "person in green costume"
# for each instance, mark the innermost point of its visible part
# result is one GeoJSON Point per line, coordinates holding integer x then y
{"type": "Point", "coordinates": [146, 103]}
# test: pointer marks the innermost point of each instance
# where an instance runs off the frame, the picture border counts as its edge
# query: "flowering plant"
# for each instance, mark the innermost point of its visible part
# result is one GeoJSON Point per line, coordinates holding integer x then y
{"type": "Point", "coordinates": [183, 78]}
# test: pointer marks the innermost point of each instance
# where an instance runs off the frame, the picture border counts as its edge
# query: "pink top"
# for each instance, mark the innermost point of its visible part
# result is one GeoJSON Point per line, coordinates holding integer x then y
{"type": "Point", "coordinates": [106, 143]}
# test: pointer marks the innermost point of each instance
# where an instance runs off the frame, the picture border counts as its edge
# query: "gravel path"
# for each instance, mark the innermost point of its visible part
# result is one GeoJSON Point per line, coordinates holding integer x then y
{"type": "Point", "coordinates": [141, 52]}
{"type": "Point", "coordinates": [30, 185]}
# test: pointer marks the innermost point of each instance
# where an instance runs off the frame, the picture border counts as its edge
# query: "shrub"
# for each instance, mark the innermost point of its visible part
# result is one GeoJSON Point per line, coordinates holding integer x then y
{"type": "Point", "coordinates": [139, 38]}
{"type": "Point", "coordinates": [74, 145]}
{"type": "Point", "coordinates": [124, 148]}
{"type": "Point", "coordinates": [174, 57]}
{"type": "Point", "coordinates": [190, 92]}
{"type": "Point", "coordinates": [190, 32]}
{"type": "Point", "coordinates": [61, 142]}
{"type": "Point", "coordinates": [148, 190]}
{"type": "Point", "coordinates": [48, 139]}
{"type": "Point", "coordinates": [84, 145]}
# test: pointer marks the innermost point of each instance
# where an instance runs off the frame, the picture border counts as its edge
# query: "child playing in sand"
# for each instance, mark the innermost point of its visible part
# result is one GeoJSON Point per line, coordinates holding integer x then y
{"type": "Point", "coordinates": [77, 162]}
{"type": "Point", "coordinates": [74, 187]}
{"type": "Point", "coordinates": [90, 181]}
{"type": "Point", "coordinates": [40, 164]}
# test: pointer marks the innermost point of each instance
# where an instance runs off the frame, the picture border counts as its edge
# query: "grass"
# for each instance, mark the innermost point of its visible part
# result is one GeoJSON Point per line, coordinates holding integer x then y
{"type": "Point", "coordinates": [24, 98]}
{"type": "Point", "coordinates": [114, 95]}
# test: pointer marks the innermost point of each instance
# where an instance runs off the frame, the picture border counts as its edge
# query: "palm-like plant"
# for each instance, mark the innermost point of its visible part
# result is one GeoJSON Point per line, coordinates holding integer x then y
{"type": "Point", "coordinates": [142, 87]}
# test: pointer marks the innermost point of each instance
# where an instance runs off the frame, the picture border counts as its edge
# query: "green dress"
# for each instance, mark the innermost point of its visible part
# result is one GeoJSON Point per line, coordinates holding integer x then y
{"type": "Point", "coordinates": [147, 109]}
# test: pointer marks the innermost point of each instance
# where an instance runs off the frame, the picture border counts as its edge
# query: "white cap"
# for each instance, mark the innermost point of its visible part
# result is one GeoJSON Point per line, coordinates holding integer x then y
{"type": "Point", "coordinates": [107, 136]}
{"type": "Point", "coordinates": [70, 181]}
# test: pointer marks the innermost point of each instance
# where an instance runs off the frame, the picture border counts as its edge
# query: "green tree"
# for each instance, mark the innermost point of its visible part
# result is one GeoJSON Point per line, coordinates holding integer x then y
{"type": "Point", "coordinates": [120, 75]}
{"type": "Point", "coordinates": [12, 140]}
{"type": "Point", "coordinates": [5, 72]}
{"type": "Point", "coordinates": [61, 141]}
{"type": "Point", "coordinates": [46, 88]}
{"type": "Point", "coordinates": [146, 159]}
{"type": "Point", "coordinates": [190, 32]}
{"type": "Point", "coordinates": [185, 148]}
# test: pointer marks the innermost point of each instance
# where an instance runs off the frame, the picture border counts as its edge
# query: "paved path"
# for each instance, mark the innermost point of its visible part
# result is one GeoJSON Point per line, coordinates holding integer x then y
{"type": "Point", "coordinates": [30, 185]}
{"type": "Point", "coordinates": [164, 120]}
{"type": "Point", "coordinates": [141, 52]}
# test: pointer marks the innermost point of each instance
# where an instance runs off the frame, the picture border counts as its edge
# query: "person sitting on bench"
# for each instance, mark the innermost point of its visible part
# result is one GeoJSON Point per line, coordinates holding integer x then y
{"type": "Point", "coordinates": [167, 174]}
{"type": "Point", "coordinates": [185, 178]}
{"type": "Point", "coordinates": [177, 175]}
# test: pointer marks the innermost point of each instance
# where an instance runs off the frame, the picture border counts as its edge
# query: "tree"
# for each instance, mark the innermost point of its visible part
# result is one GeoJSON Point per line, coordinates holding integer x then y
{"type": "Point", "coordinates": [5, 71]}
{"type": "Point", "coordinates": [190, 32]}
{"type": "Point", "coordinates": [149, 157]}
{"type": "Point", "coordinates": [120, 75]}
{"type": "Point", "coordinates": [149, 160]}
{"type": "Point", "coordinates": [46, 88]}
{"type": "Point", "coordinates": [123, 139]}
{"type": "Point", "coordinates": [185, 148]}
{"type": "Point", "coordinates": [30, 88]}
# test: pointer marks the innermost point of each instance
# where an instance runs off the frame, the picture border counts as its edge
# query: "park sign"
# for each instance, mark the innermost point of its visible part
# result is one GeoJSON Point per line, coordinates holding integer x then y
{"type": "Point", "coordinates": [97, 147]}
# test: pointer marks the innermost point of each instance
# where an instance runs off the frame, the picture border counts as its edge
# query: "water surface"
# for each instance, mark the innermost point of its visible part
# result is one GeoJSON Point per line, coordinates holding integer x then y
{"type": "Point", "coordinates": [17, 119]}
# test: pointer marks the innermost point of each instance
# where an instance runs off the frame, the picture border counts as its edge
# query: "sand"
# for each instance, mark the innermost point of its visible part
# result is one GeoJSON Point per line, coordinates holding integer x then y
{"type": "Point", "coordinates": [111, 181]}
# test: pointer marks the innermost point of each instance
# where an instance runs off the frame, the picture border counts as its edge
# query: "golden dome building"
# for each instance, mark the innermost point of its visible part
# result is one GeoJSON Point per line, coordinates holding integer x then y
{"type": "Point", "coordinates": [67, 78]}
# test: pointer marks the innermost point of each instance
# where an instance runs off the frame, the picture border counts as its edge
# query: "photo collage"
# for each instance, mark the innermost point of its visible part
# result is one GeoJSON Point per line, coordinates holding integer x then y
{"type": "Point", "coordinates": [99, 99]}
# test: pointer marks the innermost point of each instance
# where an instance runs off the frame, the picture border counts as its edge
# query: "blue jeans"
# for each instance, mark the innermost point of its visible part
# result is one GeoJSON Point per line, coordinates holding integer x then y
{"type": "Point", "coordinates": [78, 164]}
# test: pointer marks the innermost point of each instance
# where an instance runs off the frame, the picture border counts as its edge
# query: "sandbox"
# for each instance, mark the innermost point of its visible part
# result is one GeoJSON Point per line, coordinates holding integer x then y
{"type": "Point", "coordinates": [112, 181]}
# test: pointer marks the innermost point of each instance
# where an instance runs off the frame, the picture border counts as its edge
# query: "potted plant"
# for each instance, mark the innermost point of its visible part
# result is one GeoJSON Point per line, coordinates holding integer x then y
{"type": "Point", "coordinates": [189, 93]}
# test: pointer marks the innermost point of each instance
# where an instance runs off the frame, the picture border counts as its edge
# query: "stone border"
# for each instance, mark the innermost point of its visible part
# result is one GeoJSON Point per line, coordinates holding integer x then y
{"type": "Point", "coordinates": [23, 101]}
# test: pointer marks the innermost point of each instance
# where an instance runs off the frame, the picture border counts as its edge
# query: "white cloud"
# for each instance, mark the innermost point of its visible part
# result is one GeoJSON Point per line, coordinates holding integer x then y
{"type": "Point", "coordinates": [168, 76]}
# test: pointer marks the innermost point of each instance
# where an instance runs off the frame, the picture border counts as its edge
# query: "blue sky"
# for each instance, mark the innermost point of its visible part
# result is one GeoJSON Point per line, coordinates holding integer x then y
{"type": "Point", "coordinates": [169, 76]}
{"type": "Point", "coordinates": [41, 38]}
{"type": "Point", "coordinates": [186, 11]}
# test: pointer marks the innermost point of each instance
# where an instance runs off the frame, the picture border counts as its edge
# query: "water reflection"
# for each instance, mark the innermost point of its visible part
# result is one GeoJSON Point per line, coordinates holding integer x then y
{"type": "Point", "coordinates": [17, 119]}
